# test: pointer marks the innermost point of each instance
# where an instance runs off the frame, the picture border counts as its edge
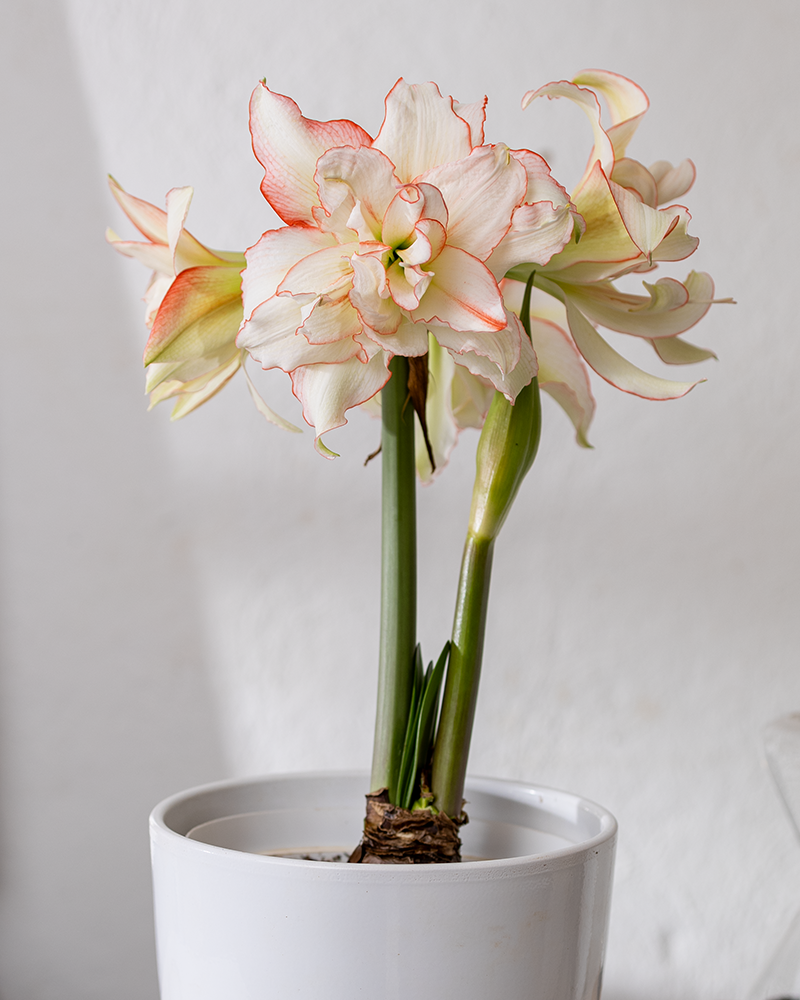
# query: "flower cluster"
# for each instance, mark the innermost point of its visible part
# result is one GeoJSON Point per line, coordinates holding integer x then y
{"type": "Point", "coordinates": [416, 242]}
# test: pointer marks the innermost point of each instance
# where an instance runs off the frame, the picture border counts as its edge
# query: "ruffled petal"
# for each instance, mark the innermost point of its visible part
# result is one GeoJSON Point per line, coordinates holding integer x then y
{"type": "Point", "coordinates": [320, 273]}
{"type": "Point", "coordinates": [327, 391]}
{"type": "Point", "coordinates": [421, 130]}
{"type": "Point", "coordinates": [271, 336]}
{"type": "Point", "coordinates": [287, 145]}
{"type": "Point", "coordinates": [603, 149]}
{"type": "Point", "coordinates": [329, 321]}
{"type": "Point", "coordinates": [633, 175]}
{"type": "Point", "coordinates": [270, 260]}
{"type": "Point", "coordinates": [409, 339]}
{"type": "Point", "coordinates": [370, 296]}
{"type": "Point", "coordinates": [475, 116]}
{"type": "Point", "coordinates": [672, 182]}
{"type": "Point", "coordinates": [563, 375]}
{"type": "Point", "coordinates": [669, 307]}
{"type": "Point", "coordinates": [481, 193]}
{"type": "Point", "coordinates": [614, 368]}
{"type": "Point", "coordinates": [511, 382]}
{"type": "Point", "coordinates": [537, 233]}
{"type": "Point", "coordinates": [627, 103]}
{"type": "Point", "coordinates": [360, 176]}
{"type": "Point", "coordinates": [462, 294]}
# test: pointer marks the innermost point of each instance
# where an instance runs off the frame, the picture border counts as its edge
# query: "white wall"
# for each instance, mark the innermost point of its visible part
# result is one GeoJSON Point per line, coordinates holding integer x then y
{"type": "Point", "coordinates": [187, 602]}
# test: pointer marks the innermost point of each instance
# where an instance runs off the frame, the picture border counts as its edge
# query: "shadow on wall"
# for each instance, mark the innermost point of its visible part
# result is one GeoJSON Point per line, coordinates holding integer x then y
{"type": "Point", "coordinates": [105, 702]}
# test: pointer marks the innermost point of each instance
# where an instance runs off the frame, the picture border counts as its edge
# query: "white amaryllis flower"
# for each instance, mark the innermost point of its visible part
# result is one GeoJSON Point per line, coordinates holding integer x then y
{"type": "Point", "coordinates": [626, 231]}
{"type": "Point", "coordinates": [393, 245]}
{"type": "Point", "coordinates": [193, 306]}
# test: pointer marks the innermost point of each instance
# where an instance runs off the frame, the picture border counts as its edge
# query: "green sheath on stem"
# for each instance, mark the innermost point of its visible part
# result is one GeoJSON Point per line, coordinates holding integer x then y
{"type": "Point", "coordinates": [398, 579]}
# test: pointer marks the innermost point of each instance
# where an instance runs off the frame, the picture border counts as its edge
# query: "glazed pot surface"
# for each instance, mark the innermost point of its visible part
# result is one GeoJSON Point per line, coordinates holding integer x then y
{"type": "Point", "coordinates": [526, 922]}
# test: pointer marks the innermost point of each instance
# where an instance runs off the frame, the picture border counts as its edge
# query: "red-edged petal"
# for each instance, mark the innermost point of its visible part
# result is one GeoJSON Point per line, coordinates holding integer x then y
{"type": "Point", "coordinates": [149, 220]}
{"type": "Point", "coordinates": [271, 336]}
{"type": "Point", "coordinates": [481, 193]}
{"type": "Point", "coordinates": [364, 176]}
{"type": "Point", "coordinates": [193, 294]}
{"type": "Point", "coordinates": [614, 368]}
{"type": "Point", "coordinates": [563, 375]}
{"type": "Point", "coordinates": [672, 182]}
{"type": "Point", "coordinates": [327, 391]}
{"type": "Point", "coordinates": [370, 296]}
{"type": "Point", "coordinates": [270, 260]}
{"type": "Point", "coordinates": [462, 294]}
{"type": "Point", "coordinates": [669, 307]}
{"type": "Point", "coordinates": [421, 130]}
{"type": "Point", "coordinates": [626, 100]}
{"type": "Point", "coordinates": [475, 116]}
{"type": "Point", "coordinates": [287, 145]}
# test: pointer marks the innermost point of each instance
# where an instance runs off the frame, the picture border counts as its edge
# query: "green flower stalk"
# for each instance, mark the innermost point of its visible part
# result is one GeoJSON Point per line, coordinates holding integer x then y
{"type": "Point", "coordinates": [506, 450]}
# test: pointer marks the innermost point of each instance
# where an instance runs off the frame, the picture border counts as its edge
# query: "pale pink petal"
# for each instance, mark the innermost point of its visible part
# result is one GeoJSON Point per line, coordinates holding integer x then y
{"type": "Point", "coordinates": [429, 240]}
{"type": "Point", "coordinates": [409, 339]}
{"type": "Point", "coordinates": [475, 116]}
{"type": "Point", "coordinates": [327, 391]}
{"type": "Point", "coordinates": [678, 244]}
{"type": "Point", "coordinates": [270, 260]}
{"type": "Point", "coordinates": [360, 176]}
{"type": "Point", "coordinates": [271, 337]}
{"type": "Point", "coordinates": [626, 101]}
{"type": "Point", "coordinates": [603, 150]}
{"type": "Point", "coordinates": [462, 294]}
{"type": "Point", "coordinates": [501, 348]}
{"type": "Point", "coordinates": [674, 351]}
{"type": "Point", "coordinates": [647, 227]}
{"type": "Point", "coordinates": [156, 256]}
{"type": "Point", "coordinates": [672, 181]}
{"type": "Point", "coordinates": [210, 336]}
{"type": "Point", "coordinates": [481, 193]}
{"type": "Point", "coordinates": [606, 247]}
{"type": "Point", "coordinates": [413, 203]}
{"type": "Point", "coordinates": [669, 307]}
{"type": "Point", "coordinates": [542, 186]}
{"type": "Point", "coordinates": [509, 383]}
{"type": "Point", "coordinates": [199, 391]}
{"type": "Point", "coordinates": [185, 249]}
{"type": "Point", "coordinates": [320, 273]}
{"type": "Point", "coordinates": [421, 130]}
{"type": "Point", "coordinates": [154, 296]}
{"type": "Point", "coordinates": [149, 220]}
{"type": "Point", "coordinates": [563, 375]}
{"type": "Point", "coordinates": [472, 396]}
{"type": "Point", "coordinates": [329, 321]}
{"type": "Point", "coordinates": [614, 368]}
{"type": "Point", "coordinates": [194, 294]}
{"type": "Point", "coordinates": [537, 233]}
{"type": "Point", "coordinates": [288, 146]}
{"type": "Point", "coordinates": [632, 175]}
{"type": "Point", "coordinates": [370, 296]}
{"type": "Point", "coordinates": [407, 285]}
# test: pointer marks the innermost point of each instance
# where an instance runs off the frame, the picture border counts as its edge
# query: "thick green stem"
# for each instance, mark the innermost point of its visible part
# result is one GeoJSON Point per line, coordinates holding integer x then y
{"type": "Point", "coordinates": [463, 674]}
{"type": "Point", "coordinates": [398, 579]}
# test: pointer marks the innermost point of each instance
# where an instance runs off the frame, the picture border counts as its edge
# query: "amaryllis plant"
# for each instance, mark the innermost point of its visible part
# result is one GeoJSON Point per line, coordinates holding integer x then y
{"type": "Point", "coordinates": [412, 278]}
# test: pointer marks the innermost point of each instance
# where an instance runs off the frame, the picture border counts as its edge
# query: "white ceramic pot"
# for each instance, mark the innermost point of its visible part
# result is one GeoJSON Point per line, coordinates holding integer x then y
{"type": "Point", "coordinates": [528, 922]}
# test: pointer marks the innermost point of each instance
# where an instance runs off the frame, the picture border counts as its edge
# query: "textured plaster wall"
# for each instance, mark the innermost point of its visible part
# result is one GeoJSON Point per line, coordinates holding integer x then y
{"type": "Point", "coordinates": [187, 602]}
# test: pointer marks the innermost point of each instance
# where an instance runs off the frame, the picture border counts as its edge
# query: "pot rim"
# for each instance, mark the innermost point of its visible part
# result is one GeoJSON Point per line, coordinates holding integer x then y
{"type": "Point", "coordinates": [525, 793]}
